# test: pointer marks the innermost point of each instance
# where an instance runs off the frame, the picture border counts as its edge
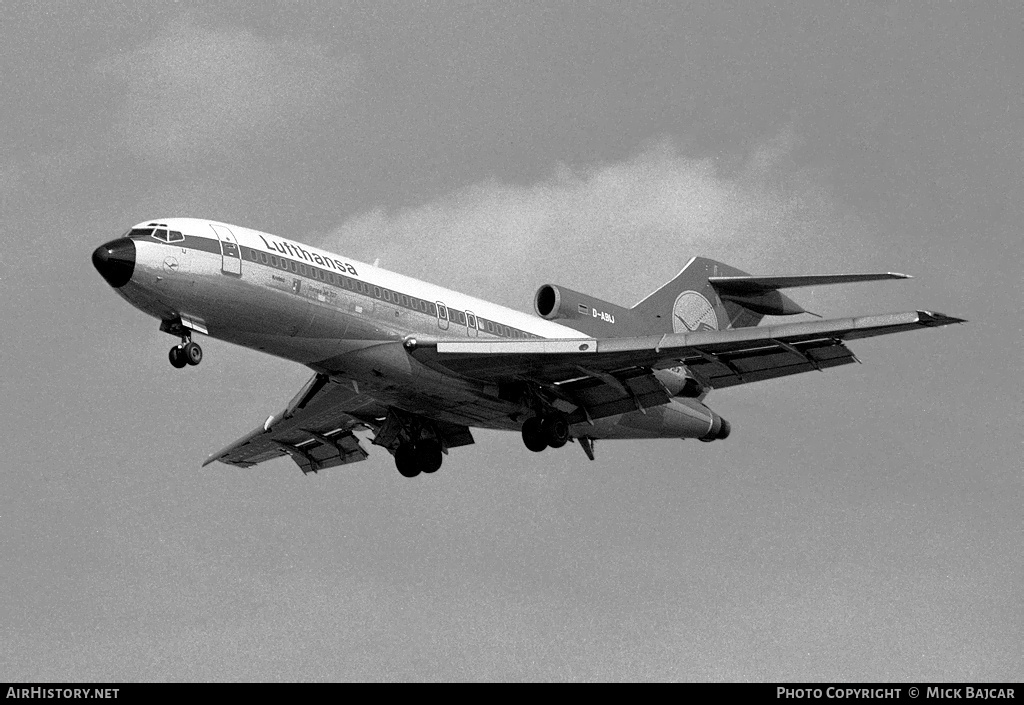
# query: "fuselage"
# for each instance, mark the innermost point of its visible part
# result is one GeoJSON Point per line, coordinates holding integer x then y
{"type": "Point", "coordinates": [296, 301]}
{"type": "Point", "coordinates": [332, 313]}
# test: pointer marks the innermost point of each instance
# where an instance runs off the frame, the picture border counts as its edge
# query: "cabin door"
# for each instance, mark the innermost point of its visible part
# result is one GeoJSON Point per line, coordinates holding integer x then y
{"type": "Point", "coordinates": [231, 256]}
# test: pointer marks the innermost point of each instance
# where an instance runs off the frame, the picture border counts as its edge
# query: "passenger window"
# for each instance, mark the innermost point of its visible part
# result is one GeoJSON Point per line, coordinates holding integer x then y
{"type": "Point", "coordinates": [255, 257]}
{"type": "Point", "coordinates": [273, 260]}
{"type": "Point", "coordinates": [387, 295]}
{"type": "Point", "coordinates": [472, 320]}
{"type": "Point", "coordinates": [292, 266]}
{"type": "Point", "coordinates": [302, 269]}
{"type": "Point", "coordinates": [442, 312]}
{"type": "Point", "coordinates": [263, 257]}
{"type": "Point", "coordinates": [376, 291]}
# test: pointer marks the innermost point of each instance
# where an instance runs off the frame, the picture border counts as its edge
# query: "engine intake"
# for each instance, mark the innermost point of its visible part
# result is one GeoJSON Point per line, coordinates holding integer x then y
{"type": "Point", "coordinates": [547, 301]}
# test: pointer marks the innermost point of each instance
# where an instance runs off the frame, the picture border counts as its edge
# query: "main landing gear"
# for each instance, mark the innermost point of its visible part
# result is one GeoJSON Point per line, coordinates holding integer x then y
{"type": "Point", "coordinates": [188, 353]}
{"type": "Point", "coordinates": [547, 431]}
{"type": "Point", "coordinates": [424, 455]}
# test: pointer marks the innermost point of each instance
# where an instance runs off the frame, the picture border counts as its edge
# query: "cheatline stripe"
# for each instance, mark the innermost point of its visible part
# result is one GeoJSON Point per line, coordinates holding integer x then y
{"type": "Point", "coordinates": [202, 244]}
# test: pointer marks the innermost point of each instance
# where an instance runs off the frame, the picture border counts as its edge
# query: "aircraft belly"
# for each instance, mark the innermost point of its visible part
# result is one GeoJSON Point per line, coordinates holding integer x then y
{"type": "Point", "coordinates": [385, 371]}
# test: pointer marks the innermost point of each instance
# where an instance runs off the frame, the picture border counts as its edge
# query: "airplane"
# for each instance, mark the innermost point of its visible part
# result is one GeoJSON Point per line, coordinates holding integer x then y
{"type": "Point", "coordinates": [418, 365]}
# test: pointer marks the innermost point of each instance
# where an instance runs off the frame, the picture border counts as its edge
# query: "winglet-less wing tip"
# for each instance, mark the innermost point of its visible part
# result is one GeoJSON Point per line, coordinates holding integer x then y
{"type": "Point", "coordinates": [933, 318]}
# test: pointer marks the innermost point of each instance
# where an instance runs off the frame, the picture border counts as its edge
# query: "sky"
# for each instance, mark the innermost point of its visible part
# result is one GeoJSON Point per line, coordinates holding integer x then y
{"type": "Point", "coordinates": [858, 525]}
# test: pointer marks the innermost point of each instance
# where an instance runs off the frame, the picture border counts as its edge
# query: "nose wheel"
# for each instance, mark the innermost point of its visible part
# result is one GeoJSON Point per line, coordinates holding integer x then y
{"type": "Point", "coordinates": [188, 353]}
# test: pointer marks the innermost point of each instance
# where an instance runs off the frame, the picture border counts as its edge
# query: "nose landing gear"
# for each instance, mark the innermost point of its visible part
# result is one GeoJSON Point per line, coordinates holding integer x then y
{"type": "Point", "coordinates": [188, 353]}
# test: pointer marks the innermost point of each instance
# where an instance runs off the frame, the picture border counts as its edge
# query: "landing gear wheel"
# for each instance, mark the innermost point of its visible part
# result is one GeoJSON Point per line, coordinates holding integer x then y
{"type": "Point", "coordinates": [405, 460]}
{"type": "Point", "coordinates": [428, 455]}
{"type": "Point", "coordinates": [555, 429]}
{"type": "Point", "coordinates": [176, 357]}
{"type": "Point", "coordinates": [533, 435]}
{"type": "Point", "coordinates": [192, 353]}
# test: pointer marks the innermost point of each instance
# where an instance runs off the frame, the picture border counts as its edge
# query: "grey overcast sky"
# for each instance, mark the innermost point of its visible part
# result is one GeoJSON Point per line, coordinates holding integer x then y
{"type": "Point", "coordinates": [863, 524]}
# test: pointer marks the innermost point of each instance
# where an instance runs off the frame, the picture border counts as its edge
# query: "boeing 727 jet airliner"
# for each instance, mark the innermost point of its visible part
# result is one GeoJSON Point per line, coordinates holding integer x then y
{"type": "Point", "coordinates": [419, 365]}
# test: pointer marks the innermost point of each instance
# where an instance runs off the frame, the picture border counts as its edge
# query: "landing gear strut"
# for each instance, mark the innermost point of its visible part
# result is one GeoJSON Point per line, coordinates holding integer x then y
{"type": "Point", "coordinates": [188, 353]}
{"type": "Point", "coordinates": [549, 430]}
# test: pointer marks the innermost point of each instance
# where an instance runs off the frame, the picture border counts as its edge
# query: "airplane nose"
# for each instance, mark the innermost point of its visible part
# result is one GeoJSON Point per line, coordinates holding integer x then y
{"type": "Point", "coordinates": [115, 261]}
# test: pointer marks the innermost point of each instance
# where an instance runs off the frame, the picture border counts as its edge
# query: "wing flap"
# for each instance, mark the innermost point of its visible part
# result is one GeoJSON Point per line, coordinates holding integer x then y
{"type": "Point", "coordinates": [769, 362]}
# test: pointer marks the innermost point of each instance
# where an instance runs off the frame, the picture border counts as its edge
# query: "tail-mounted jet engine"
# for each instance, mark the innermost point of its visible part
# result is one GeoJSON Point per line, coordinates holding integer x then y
{"type": "Point", "coordinates": [582, 312]}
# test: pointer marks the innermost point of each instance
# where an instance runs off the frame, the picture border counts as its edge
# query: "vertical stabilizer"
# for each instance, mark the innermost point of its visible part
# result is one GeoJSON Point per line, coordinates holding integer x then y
{"type": "Point", "coordinates": [691, 303]}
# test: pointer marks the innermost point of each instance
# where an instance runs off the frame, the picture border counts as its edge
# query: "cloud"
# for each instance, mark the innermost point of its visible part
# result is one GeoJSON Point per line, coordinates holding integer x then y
{"type": "Point", "coordinates": [620, 229]}
{"type": "Point", "coordinates": [191, 92]}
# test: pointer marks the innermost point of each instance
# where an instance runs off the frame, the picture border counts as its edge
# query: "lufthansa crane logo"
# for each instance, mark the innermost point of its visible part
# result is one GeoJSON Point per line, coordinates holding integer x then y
{"type": "Point", "coordinates": [692, 312]}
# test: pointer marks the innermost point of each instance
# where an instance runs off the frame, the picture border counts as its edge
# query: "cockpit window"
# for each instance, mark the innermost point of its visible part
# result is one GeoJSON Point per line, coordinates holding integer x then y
{"type": "Point", "coordinates": [161, 234]}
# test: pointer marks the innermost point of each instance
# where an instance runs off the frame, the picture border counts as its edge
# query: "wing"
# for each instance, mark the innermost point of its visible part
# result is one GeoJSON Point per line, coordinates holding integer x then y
{"type": "Point", "coordinates": [315, 429]}
{"type": "Point", "coordinates": [717, 358]}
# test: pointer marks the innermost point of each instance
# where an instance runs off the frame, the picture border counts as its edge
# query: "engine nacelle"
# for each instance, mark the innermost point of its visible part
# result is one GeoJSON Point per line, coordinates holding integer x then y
{"type": "Point", "coordinates": [582, 312]}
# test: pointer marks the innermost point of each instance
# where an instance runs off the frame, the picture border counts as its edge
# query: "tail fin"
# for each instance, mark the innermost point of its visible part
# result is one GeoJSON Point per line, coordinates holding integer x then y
{"type": "Point", "coordinates": [693, 302]}
{"type": "Point", "coordinates": [709, 295]}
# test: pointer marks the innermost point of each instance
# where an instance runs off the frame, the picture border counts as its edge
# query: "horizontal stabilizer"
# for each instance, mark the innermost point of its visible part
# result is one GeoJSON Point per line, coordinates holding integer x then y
{"type": "Point", "coordinates": [755, 285]}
